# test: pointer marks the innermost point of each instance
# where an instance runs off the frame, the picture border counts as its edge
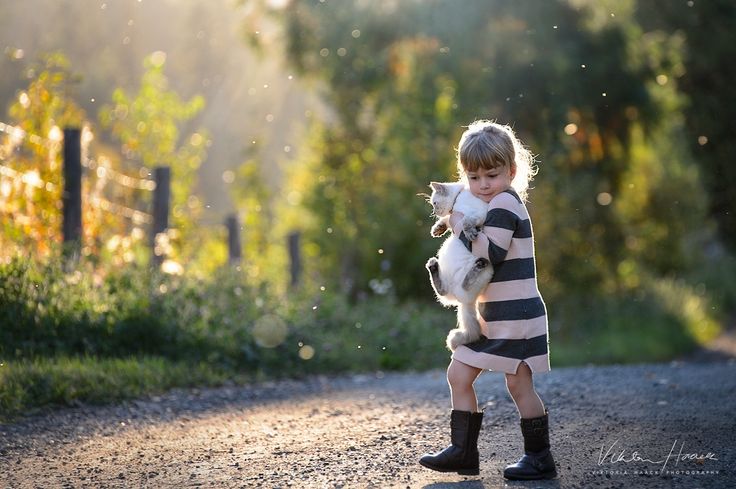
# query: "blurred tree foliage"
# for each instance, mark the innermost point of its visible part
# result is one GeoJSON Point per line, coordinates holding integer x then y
{"type": "Point", "coordinates": [147, 124]}
{"type": "Point", "coordinates": [253, 197]}
{"type": "Point", "coordinates": [31, 192]}
{"type": "Point", "coordinates": [618, 198]}
{"type": "Point", "coordinates": [247, 98]}
{"type": "Point", "coordinates": [706, 79]}
{"type": "Point", "coordinates": [32, 186]}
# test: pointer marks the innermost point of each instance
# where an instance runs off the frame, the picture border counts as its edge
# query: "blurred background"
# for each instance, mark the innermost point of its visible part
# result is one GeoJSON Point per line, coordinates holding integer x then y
{"type": "Point", "coordinates": [312, 126]}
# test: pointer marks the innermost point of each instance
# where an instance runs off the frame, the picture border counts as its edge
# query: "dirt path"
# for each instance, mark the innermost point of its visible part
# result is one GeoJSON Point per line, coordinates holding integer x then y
{"type": "Point", "coordinates": [368, 431]}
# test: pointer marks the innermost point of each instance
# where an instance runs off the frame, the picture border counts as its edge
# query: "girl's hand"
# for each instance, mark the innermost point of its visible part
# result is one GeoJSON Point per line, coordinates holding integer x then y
{"type": "Point", "coordinates": [456, 219]}
{"type": "Point", "coordinates": [460, 225]}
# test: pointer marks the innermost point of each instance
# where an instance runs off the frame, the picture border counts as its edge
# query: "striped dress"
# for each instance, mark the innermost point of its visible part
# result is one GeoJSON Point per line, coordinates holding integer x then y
{"type": "Point", "coordinates": [512, 314]}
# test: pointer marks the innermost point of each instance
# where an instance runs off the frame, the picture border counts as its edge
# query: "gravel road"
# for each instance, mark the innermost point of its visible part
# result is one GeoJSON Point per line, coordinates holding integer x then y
{"type": "Point", "coordinates": [663, 425]}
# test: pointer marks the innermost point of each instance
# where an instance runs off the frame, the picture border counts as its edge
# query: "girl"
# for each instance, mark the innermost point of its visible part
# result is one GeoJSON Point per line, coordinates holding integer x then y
{"type": "Point", "coordinates": [511, 312]}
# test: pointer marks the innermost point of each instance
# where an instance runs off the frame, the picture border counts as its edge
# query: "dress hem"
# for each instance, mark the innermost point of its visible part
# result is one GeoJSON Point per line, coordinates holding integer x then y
{"type": "Point", "coordinates": [495, 363]}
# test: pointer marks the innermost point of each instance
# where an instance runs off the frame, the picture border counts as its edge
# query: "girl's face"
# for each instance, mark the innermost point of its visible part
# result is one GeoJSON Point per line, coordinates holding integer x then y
{"type": "Point", "coordinates": [486, 184]}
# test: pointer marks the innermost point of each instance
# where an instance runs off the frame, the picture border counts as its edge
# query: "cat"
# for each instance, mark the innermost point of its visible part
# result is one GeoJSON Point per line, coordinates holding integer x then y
{"type": "Point", "coordinates": [458, 277]}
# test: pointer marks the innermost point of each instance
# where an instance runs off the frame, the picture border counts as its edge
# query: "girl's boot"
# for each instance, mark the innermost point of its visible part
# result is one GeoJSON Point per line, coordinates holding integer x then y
{"type": "Point", "coordinates": [462, 455]}
{"type": "Point", "coordinates": [537, 461]}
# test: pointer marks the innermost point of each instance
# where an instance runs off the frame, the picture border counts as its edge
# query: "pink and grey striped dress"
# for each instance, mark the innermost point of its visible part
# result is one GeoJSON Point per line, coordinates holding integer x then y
{"type": "Point", "coordinates": [512, 314]}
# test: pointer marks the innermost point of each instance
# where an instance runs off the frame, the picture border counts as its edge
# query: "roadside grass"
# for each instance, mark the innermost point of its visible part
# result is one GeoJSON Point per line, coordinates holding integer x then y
{"type": "Point", "coordinates": [28, 385]}
{"type": "Point", "coordinates": [67, 339]}
{"type": "Point", "coordinates": [661, 320]}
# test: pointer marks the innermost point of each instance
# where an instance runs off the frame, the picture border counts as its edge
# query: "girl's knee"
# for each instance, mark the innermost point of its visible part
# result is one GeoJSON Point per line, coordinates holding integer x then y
{"type": "Point", "coordinates": [460, 375]}
{"type": "Point", "coordinates": [520, 382]}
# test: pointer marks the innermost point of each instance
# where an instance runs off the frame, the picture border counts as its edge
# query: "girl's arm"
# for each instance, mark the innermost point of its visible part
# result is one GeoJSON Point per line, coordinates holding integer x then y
{"type": "Point", "coordinates": [498, 229]}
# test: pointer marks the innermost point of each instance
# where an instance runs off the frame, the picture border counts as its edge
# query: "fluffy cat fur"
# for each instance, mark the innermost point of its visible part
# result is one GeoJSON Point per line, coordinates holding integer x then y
{"type": "Point", "coordinates": [458, 277]}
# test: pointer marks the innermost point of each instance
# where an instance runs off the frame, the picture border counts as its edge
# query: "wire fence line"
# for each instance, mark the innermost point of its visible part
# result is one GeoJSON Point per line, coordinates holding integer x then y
{"type": "Point", "coordinates": [19, 134]}
{"type": "Point", "coordinates": [28, 178]}
{"type": "Point", "coordinates": [138, 217]}
{"type": "Point", "coordinates": [74, 159]}
{"type": "Point", "coordinates": [102, 169]}
{"type": "Point", "coordinates": [34, 180]}
{"type": "Point", "coordinates": [102, 164]}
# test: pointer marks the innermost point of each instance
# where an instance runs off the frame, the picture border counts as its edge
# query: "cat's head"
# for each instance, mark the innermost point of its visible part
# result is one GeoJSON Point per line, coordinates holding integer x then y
{"type": "Point", "coordinates": [443, 197]}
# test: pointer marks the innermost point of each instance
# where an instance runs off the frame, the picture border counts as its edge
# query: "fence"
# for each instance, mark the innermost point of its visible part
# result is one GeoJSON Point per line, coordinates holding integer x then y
{"type": "Point", "coordinates": [160, 187]}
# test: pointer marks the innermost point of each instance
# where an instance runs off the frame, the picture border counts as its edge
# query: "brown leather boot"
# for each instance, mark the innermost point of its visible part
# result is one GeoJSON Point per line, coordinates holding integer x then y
{"type": "Point", "coordinates": [537, 461]}
{"type": "Point", "coordinates": [462, 455]}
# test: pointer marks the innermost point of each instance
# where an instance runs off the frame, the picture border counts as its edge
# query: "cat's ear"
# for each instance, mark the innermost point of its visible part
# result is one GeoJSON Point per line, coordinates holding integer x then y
{"type": "Point", "coordinates": [438, 187]}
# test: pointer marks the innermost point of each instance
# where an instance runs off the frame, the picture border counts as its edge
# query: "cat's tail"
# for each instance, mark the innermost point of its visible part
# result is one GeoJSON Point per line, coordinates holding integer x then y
{"type": "Point", "coordinates": [469, 330]}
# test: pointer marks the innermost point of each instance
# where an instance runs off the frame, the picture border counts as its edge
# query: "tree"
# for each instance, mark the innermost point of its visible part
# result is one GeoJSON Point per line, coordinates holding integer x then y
{"type": "Point", "coordinates": [579, 85]}
{"type": "Point", "coordinates": [704, 76]}
{"type": "Point", "coordinates": [31, 187]}
{"type": "Point", "coordinates": [147, 126]}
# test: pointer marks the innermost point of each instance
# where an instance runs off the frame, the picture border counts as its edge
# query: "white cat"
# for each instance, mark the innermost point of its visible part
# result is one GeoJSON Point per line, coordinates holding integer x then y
{"type": "Point", "coordinates": [458, 277]}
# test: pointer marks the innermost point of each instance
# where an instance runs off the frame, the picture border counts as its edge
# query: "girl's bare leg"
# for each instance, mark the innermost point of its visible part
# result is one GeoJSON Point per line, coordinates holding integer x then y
{"type": "Point", "coordinates": [521, 388]}
{"type": "Point", "coordinates": [465, 425]}
{"type": "Point", "coordinates": [461, 377]}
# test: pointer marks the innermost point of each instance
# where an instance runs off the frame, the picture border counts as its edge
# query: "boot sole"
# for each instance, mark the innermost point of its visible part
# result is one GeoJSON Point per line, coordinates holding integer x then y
{"type": "Point", "coordinates": [459, 471]}
{"type": "Point", "coordinates": [546, 475]}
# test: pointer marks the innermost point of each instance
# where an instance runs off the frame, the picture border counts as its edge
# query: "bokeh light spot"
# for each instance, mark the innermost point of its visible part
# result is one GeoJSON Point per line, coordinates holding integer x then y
{"type": "Point", "coordinates": [604, 198]}
{"type": "Point", "coordinates": [158, 58]}
{"type": "Point", "coordinates": [269, 331]}
{"type": "Point", "coordinates": [306, 352]}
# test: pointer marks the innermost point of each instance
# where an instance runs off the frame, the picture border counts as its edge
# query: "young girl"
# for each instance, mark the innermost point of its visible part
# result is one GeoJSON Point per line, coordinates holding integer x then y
{"type": "Point", "coordinates": [512, 314]}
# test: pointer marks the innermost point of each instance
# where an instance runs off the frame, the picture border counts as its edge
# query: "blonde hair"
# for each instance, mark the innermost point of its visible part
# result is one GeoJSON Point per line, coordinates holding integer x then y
{"type": "Point", "coordinates": [487, 145]}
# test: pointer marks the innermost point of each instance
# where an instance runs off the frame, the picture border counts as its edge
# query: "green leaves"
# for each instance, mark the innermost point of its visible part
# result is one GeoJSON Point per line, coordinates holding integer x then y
{"type": "Point", "coordinates": [586, 87]}
{"type": "Point", "coordinates": [148, 126]}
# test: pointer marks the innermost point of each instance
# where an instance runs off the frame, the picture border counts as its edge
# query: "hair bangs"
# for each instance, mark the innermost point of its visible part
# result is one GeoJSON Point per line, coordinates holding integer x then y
{"type": "Point", "coordinates": [478, 153]}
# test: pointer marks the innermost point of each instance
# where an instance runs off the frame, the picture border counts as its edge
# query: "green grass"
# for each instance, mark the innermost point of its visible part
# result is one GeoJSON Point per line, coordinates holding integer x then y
{"type": "Point", "coordinates": [28, 385]}
{"type": "Point", "coordinates": [657, 322]}
{"type": "Point", "coordinates": [71, 338]}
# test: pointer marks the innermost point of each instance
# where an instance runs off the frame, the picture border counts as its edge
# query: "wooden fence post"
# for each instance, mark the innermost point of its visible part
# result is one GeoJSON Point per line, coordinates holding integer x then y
{"type": "Point", "coordinates": [295, 259]}
{"type": "Point", "coordinates": [233, 239]}
{"type": "Point", "coordinates": [161, 199]}
{"type": "Point", "coordinates": [72, 195]}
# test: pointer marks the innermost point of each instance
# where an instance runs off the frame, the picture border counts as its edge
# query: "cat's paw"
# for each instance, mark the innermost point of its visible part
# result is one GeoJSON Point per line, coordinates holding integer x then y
{"type": "Point", "coordinates": [438, 229]}
{"type": "Point", "coordinates": [471, 232]}
{"type": "Point", "coordinates": [481, 263]}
